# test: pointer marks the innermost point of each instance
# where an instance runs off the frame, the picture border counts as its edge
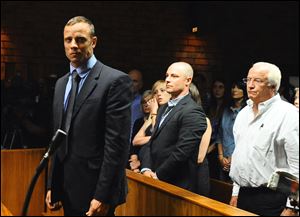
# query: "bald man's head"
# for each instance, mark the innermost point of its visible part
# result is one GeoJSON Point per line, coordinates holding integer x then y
{"type": "Point", "coordinates": [178, 79]}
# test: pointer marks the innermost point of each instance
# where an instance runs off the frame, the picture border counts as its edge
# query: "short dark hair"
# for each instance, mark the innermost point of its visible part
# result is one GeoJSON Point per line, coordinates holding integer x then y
{"type": "Point", "coordinates": [82, 19]}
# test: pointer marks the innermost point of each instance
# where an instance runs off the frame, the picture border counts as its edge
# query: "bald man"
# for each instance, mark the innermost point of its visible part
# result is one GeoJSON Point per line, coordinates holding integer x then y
{"type": "Point", "coordinates": [171, 154]}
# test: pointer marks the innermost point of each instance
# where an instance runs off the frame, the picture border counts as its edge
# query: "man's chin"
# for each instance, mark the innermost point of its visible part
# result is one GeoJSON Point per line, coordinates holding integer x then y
{"type": "Point", "coordinates": [169, 90]}
{"type": "Point", "coordinates": [75, 62]}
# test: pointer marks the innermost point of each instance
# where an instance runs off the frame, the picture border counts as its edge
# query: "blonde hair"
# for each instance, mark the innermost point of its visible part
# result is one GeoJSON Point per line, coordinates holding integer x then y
{"type": "Point", "coordinates": [156, 84]}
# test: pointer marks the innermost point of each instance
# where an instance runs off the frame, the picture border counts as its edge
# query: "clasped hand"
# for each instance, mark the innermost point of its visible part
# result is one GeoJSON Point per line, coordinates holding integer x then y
{"type": "Point", "coordinates": [150, 174]}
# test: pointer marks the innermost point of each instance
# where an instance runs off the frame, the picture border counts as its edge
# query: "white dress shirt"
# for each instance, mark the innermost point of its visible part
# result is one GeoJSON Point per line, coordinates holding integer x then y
{"type": "Point", "coordinates": [264, 143]}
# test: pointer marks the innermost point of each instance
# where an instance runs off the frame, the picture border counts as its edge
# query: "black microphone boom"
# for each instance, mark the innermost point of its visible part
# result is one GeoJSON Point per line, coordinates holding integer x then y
{"type": "Point", "coordinates": [54, 144]}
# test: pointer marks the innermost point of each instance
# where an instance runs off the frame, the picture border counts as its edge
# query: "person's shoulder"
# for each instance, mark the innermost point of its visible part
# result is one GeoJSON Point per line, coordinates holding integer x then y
{"type": "Point", "coordinates": [191, 105]}
{"type": "Point", "coordinates": [63, 78]}
{"type": "Point", "coordinates": [108, 69]}
{"type": "Point", "coordinates": [66, 75]}
{"type": "Point", "coordinates": [110, 75]}
{"type": "Point", "coordinates": [286, 106]}
{"type": "Point", "coordinates": [243, 113]}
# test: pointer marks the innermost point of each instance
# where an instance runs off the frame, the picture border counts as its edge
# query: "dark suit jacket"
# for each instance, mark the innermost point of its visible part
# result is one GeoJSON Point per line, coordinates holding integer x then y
{"type": "Point", "coordinates": [91, 162]}
{"type": "Point", "coordinates": [173, 148]}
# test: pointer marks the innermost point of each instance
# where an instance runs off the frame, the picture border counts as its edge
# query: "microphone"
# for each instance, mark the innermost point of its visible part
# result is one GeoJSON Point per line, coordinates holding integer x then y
{"type": "Point", "coordinates": [55, 142]}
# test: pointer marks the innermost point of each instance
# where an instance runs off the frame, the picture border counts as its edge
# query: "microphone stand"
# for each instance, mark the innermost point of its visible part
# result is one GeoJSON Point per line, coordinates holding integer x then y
{"type": "Point", "coordinates": [55, 142]}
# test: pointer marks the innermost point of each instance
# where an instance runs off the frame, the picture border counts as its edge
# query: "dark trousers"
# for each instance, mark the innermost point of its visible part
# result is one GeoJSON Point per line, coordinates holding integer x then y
{"type": "Point", "coordinates": [213, 164]}
{"type": "Point", "coordinates": [69, 211]}
{"type": "Point", "coordinates": [75, 202]}
{"type": "Point", "coordinates": [203, 184]}
{"type": "Point", "coordinates": [261, 201]}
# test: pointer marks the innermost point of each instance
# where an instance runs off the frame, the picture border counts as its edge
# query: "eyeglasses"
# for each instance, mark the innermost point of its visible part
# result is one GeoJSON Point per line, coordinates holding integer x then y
{"type": "Point", "coordinates": [254, 80]}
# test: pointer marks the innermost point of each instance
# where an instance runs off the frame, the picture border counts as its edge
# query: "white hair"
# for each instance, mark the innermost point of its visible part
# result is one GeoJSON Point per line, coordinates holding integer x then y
{"type": "Point", "coordinates": [273, 73]}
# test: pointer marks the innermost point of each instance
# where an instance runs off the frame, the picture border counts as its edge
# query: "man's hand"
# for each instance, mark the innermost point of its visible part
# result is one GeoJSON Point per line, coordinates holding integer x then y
{"type": "Point", "coordinates": [289, 212]}
{"type": "Point", "coordinates": [154, 176]}
{"type": "Point", "coordinates": [50, 205]}
{"type": "Point", "coordinates": [150, 174]}
{"type": "Point", "coordinates": [233, 201]}
{"type": "Point", "coordinates": [97, 208]}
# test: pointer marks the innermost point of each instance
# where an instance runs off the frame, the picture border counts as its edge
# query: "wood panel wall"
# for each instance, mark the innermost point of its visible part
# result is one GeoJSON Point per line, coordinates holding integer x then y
{"type": "Point", "coordinates": [17, 169]}
{"type": "Point", "coordinates": [5, 211]}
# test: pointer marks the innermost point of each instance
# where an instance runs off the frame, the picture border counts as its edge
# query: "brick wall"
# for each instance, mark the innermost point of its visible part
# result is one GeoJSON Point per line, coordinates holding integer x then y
{"type": "Point", "coordinates": [152, 35]}
{"type": "Point", "coordinates": [144, 35]}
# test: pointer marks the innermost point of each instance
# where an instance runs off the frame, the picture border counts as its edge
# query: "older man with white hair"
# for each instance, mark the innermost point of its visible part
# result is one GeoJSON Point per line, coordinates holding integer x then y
{"type": "Point", "coordinates": [266, 134]}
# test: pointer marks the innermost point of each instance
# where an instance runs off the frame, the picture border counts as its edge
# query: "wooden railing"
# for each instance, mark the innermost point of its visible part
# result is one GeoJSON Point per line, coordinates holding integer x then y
{"type": "Point", "coordinates": [146, 196]}
{"type": "Point", "coordinates": [17, 169]}
{"type": "Point", "coordinates": [153, 197]}
{"type": "Point", "coordinates": [5, 211]}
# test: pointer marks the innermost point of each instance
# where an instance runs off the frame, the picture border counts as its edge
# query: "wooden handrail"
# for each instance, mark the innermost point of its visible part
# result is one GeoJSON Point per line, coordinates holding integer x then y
{"type": "Point", "coordinates": [154, 197]}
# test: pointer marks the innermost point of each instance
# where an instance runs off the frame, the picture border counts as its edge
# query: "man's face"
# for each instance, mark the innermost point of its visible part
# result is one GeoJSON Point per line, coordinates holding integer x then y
{"type": "Point", "coordinates": [79, 43]}
{"type": "Point", "coordinates": [137, 82]}
{"type": "Point", "coordinates": [258, 88]}
{"type": "Point", "coordinates": [176, 81]}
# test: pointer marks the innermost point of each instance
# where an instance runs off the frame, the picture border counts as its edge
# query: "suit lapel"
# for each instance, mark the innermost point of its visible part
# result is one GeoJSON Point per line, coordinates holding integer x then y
{"type": "Point", "coordinates": [176, 109]}
{"type": "Point", "coordinates": [88, 86]}
{"type": "Point", "coordinates": [60, 100]}
{"type": "Point", "coordinates": [159, 115]}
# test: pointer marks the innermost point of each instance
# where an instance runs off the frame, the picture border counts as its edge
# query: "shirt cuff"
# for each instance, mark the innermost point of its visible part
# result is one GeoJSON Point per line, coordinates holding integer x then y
{"type": "Point", "coordinates": [144, 170]}
{"type": "Point", "coordinates": [288, 205]}
{"type": "Point", "coordinates": [235, 189]}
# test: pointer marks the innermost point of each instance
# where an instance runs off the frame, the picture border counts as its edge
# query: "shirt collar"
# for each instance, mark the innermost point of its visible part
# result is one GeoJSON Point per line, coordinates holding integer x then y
{"type": "Point", "coordinates": [83, 69]}
{"type": "Point", "coordinates": [174, 102]}
{"type": "Point", "coordinates": [264, 105]}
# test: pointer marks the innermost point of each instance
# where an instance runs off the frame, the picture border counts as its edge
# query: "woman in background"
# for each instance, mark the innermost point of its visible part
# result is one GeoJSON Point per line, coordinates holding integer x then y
{"type": "Point", "coordinates": [225, 134]}
{"type": "Point", "coordinates": [203, 181]}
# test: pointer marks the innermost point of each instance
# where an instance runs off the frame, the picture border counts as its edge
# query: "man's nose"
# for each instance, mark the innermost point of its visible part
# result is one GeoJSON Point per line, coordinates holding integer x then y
{"type": "Point", "coordinates": [250, 83]}
{"type": "Point", "coordinates": [74, 43]}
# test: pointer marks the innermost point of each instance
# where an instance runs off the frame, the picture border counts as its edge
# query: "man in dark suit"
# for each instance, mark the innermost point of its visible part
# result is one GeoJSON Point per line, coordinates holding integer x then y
{"type": "Point", "coordinates": [171, 154]}
{"type": "Point", "coordinates": [88, 169]}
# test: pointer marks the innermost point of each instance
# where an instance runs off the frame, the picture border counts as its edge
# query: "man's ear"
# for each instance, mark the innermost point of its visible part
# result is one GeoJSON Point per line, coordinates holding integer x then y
{"type": "Point", "coordinates": [94, 41]}
{"type": "Point", "coordinates": [189, 80]}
